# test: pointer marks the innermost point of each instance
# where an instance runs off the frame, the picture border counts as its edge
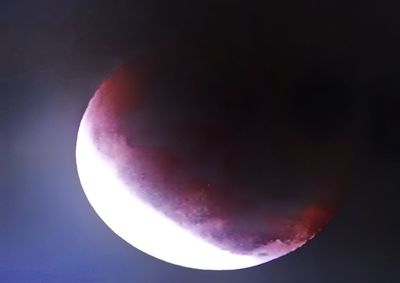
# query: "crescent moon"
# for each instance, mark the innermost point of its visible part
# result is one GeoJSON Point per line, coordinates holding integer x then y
{"type": "Point", "coordinates": [195, 226]}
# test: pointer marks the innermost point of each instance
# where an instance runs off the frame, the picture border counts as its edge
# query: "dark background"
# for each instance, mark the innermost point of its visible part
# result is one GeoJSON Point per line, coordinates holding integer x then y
{"type": "Point", "coordinates": [53, 56]}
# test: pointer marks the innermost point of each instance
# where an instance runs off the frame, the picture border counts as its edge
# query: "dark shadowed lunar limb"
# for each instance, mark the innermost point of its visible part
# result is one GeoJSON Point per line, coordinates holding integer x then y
{"type": "Point", "coordinates": [204, 166]}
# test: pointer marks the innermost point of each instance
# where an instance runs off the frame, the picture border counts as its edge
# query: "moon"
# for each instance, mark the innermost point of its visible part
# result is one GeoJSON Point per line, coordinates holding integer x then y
{"type": "Point", "coordinates": [209, 167]}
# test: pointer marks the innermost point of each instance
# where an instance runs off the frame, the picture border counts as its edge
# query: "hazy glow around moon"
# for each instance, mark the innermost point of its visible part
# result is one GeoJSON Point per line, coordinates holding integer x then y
{"type": "Point", "coordinates": [141, 225]}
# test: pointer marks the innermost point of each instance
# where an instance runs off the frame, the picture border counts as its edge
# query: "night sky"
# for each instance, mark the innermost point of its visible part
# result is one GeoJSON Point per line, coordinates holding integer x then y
{"type": "Point", "coordinates": [54, 55]}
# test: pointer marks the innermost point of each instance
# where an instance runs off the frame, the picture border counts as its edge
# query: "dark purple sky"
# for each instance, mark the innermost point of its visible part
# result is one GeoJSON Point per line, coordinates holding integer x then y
{"type": "Point", "coordinates": [53, 56]}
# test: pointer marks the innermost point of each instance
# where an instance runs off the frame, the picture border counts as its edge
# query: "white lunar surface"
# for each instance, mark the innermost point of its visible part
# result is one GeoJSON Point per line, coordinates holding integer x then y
{"type": "Point", "coordinates": [144, 227]}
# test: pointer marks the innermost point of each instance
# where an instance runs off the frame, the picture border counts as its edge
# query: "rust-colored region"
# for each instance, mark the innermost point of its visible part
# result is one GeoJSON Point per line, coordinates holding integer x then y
{"type": "Point", "coordinates": [121, 93]}
{"type": "Point", "coordinates": [219, 164]}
